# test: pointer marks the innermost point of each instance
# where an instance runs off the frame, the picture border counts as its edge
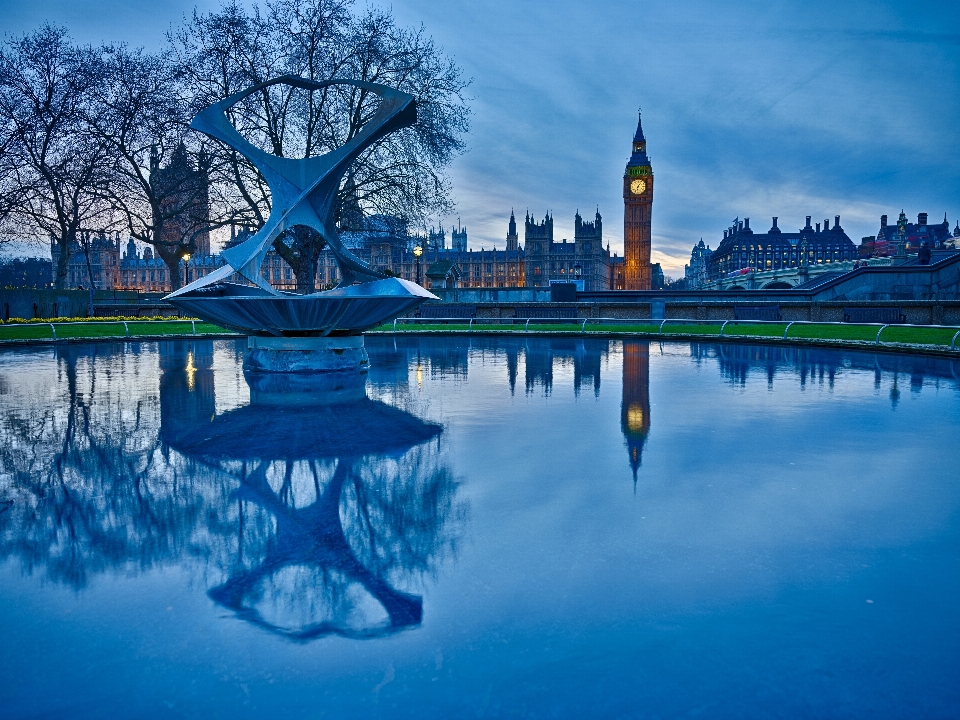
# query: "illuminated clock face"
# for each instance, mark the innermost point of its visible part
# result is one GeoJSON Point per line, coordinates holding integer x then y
{"type": "Point", "coordinates": [637, 187]}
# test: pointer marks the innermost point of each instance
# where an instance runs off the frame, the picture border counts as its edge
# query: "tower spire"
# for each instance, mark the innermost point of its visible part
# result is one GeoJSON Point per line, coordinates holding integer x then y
{"type": "Point", "coordinates": [638, 135]}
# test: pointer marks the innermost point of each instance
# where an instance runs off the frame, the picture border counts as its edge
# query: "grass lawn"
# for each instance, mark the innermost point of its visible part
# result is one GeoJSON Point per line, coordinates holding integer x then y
{"type": "Point", "coordinates": [911, 335]}
{"type": "Point", "coordinates": [160, 328]}
{"type": "Point", "coordinates": [42, 331]}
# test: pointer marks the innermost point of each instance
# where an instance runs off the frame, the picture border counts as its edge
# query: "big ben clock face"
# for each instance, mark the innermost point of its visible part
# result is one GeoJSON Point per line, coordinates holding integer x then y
{"type": "Point", "coordinates": [637, 187]}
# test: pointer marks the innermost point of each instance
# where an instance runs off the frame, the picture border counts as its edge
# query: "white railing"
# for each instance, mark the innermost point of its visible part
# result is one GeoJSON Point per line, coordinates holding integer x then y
{"type": "Point", "coordinates": [125, 323]}
{"type": "Point", "coordinates": [660, 324]}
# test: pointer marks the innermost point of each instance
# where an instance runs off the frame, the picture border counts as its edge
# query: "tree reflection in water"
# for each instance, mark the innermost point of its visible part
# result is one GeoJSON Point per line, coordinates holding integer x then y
{"type": "Point", "coordinates": [320, 509]}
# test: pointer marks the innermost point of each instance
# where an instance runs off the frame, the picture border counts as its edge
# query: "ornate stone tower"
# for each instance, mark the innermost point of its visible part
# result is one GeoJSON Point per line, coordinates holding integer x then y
{"type": "Point", "coordinates": [637, 209]}
{"type": "Point", "coordinates": [512, 238]}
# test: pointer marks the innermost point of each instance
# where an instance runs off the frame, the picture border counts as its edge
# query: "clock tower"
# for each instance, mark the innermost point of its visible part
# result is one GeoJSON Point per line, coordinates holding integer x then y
{"type": "Point", "coordinates": [637, 208]}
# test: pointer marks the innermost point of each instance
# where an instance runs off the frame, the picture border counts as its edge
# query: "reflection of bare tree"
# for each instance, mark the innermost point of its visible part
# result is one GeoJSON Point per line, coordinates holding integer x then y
{"type": "Point", "coordinates": [309, 541]}
{"type": "Point", "coordinates": [93, 490]}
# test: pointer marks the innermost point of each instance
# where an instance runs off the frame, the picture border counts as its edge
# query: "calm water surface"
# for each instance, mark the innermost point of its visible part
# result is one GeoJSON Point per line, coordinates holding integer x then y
{"type": "Point", "coordinates": [482, 528]}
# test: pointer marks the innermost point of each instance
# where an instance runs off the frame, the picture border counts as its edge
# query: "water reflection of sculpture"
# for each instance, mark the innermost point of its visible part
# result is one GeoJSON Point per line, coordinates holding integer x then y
{"type": "Point", "coordinates": [99, 486]}
{"type": "Point", "coordinates": [332, 509]}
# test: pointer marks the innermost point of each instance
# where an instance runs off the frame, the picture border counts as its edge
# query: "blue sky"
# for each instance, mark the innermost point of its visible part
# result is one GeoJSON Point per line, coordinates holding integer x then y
{"type": "Point", "coordinates": [751, 109]}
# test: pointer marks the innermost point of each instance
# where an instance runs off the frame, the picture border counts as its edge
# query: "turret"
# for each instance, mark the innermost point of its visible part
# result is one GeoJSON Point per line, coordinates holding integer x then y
{"type": "Point", "coordinates": [639, 158]}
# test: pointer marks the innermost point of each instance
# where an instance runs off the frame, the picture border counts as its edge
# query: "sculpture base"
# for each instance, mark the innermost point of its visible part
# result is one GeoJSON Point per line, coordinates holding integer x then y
{"type": "Point", "coordinates": [305, 354]}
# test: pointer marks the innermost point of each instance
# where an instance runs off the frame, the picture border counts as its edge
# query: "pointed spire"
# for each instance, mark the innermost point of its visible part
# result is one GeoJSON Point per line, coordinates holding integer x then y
{"type": "Point", "coordinates": [638, 136]}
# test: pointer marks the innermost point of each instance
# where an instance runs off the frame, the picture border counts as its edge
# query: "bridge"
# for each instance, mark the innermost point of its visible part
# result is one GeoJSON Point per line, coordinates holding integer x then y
{"type": "Point", "coordinates": [803, 277]}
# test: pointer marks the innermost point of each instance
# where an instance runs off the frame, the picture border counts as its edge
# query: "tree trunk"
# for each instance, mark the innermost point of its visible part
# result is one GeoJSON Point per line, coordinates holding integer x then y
{"type": "Point", "coordinates": [63, 264]}
{"type": "Point", "coordinates": [86, 253]}
{"type": "Point", "coordinates": [171, 258]}
{"type": "Point", "coordinates": [307, 275]}
{"type": "Point", "coordinates": [173, 267]}
{"type": "Point", "coordinates": [302, 255]}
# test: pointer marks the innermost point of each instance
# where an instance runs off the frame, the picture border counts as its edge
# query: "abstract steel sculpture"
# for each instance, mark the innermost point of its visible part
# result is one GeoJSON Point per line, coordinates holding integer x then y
{"type": "Point", "coordinates": [318, 331]}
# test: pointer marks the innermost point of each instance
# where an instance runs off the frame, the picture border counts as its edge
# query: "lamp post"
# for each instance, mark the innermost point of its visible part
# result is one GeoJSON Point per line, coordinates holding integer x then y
{"type": "Point", "coordinates": [577, 275]}
{"type": "Point", "coordinates": [417, 252]}
{"type": "Point", "coordinates": [186, 264]}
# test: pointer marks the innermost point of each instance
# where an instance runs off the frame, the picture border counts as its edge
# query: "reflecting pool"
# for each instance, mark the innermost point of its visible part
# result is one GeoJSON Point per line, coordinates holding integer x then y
{"type": "Point", "coordinates": [483, 527]}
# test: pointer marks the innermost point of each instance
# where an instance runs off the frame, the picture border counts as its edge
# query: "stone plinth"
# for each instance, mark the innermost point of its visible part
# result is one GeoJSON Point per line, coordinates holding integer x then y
{"type": "Point", "coordinates": [305, 354]}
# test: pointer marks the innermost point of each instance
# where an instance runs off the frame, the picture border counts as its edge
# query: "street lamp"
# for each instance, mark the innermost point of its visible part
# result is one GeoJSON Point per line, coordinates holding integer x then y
{"type": "Point", "coordinates": [577, 275]}
{"type": "Point", "coordinates": [417, 252]}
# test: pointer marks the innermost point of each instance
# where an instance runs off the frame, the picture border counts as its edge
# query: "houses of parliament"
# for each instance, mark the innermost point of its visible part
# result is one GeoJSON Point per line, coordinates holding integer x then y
{"type": "Point", "coordinates": [387, 245]}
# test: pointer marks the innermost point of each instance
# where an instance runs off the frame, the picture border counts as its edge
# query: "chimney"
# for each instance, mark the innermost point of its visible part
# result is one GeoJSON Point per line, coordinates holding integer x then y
{"type": "Point", "coordinates": [836, 222]}
{"type": "Point", "coordinates": [808, 223]}
{"type": "Point", "coordinates": [746, 223]}
{"type": "Point", "coordinates": [922, 219]}
{"type": "Point", "coordinates": [826, 225]}
{"type": "Point", "coordinates": [883, 221]}
{"type": "Point", "coordinates": [774, 222]}
{"type": "Point", "coordinates": [818, 227]}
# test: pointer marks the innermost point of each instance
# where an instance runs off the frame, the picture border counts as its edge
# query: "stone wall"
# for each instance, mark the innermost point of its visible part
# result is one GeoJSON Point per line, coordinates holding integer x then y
{"type": "Point", "coordinates": [28, 303]}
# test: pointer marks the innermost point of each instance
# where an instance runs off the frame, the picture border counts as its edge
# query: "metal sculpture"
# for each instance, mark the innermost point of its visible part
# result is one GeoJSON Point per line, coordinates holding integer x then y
{"type": "Point", "coordinates": [303, 192]}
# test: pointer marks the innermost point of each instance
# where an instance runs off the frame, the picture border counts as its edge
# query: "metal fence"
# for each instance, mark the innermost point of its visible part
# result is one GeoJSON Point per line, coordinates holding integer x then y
{"type": "Point", "coordinates": [661, 324]}
{"type": "Point", "coordinates": [125, 323]}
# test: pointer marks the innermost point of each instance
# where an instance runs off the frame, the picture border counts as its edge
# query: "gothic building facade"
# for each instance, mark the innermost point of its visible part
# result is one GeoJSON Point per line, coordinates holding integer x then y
{"type": "Point", "coordinates": [585, 259]}
{"type": "Point", "coordinates": [912, 236]}
{"type": "Point", "coordinates": [697, 273]}
{"type": "Point", "coordinates": [742, 250]}
{"type": "Point", "coordinates": [183, 217]}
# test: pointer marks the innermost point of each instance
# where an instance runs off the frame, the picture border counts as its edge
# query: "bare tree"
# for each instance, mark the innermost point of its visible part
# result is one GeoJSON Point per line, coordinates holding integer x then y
{"type": "Point", "coordinates": [11, 190]}
{"type": "Point", "coordinates": [137, 109]}
{"type": "Point", "coordinates": [403, 174]}
{"type": "Point", "coordinates": [44, 81]}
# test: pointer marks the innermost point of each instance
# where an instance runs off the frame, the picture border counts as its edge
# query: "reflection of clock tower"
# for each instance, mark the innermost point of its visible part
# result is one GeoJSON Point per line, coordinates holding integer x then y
{"type": "Point", "coordinates": [637, 207]}
{"type": "Point", "coordinates": [635, 405]}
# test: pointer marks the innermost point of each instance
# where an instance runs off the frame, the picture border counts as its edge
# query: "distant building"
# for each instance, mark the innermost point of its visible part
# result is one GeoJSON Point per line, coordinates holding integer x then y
{"type": "Point", "coordinates": [888, 239]}
{"type": "Point", "coordinates": [393, 251]}
{"type": "Point", "coordinates": [104, 266]}
{"type": "Point", "coordinates": [743, 250]}
{"type": "Point", "coordinates": [387, 245]}
{"type": "Point", "coordinates": [697, 272]}
{"type": "Point", "coordinates": [617, 279]}
{"type": "Point", "coordinates": [184, 214]}
{"type": "Point", "coordinates": [549, 262]}
{"type": "Point", "coordinates": [656, 277]}
{"type": "Point", "coordinates": [443, 274]}
{"type": "Point", "coordinates": [144, 271]}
